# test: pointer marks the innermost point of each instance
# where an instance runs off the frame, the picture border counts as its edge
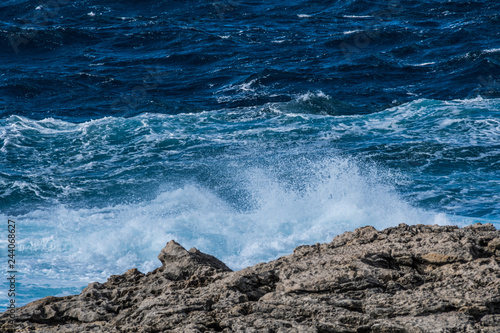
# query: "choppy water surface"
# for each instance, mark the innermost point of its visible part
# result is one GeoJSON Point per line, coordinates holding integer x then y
{"type": "Point", "coordinates": [244, 128]}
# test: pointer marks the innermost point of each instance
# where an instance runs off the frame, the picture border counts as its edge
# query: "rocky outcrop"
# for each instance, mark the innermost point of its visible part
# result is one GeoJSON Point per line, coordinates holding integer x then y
{"type": "Point", "coordinates": [405, 279]}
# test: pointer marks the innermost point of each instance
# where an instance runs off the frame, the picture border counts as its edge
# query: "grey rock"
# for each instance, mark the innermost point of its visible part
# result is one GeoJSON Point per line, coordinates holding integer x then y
{"type": "Point", "coordinates": [416, 278]}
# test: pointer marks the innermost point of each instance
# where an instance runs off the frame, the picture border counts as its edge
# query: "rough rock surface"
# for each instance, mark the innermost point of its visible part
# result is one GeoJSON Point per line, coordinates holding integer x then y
{"type": "Point", "coordinates": [404, 279]}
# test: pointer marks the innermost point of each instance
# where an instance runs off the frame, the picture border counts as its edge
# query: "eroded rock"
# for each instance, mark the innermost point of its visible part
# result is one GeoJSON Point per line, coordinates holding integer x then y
{"type": "Point", "coordinates": [405, 279]}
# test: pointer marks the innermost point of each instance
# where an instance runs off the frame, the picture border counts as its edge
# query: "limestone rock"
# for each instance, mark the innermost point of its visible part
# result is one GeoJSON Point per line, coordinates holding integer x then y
{"type": "Point", "coordinates": [179, 264]}
{"type": "Point", "coordinates": [416, 278]}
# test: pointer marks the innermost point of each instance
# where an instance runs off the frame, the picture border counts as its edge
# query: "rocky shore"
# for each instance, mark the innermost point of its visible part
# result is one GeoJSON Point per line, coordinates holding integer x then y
{"type": "Point", "coordinates": [405, 279]}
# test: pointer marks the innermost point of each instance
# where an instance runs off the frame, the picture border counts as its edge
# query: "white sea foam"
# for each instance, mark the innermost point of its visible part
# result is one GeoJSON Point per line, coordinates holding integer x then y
{"type": "Point", "coordinates": [424, 64]}
{"type": "Point", "coordinates": [357, 16]}
{"type": "Point", "coordinates": [492, 50]}
{"type": "Point", "coordinates": [350, 32]}
{"type": "Point", "coordinates": [477, 119]}
{"type": "Point", "coordinates": [309, 95]}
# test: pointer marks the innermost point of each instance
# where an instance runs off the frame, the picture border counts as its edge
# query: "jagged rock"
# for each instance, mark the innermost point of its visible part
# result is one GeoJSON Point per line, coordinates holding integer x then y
{"type": "Point", "coordinates": [179, 264]}
{"type": "Point", "coordinates": [405, 279]}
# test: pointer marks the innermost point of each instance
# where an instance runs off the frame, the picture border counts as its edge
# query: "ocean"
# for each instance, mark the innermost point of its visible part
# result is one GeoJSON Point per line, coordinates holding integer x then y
{"type": "Point", "coordinates": [241, 128]}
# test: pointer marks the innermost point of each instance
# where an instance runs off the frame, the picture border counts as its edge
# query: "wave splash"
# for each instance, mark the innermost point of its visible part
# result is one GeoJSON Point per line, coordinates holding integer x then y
{"type": "Point", "coordinates": [287, 206]}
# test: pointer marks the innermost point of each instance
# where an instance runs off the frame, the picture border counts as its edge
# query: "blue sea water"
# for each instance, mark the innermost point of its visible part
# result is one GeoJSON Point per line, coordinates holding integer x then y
{"type": "Point", "coordinates": [243, 128]}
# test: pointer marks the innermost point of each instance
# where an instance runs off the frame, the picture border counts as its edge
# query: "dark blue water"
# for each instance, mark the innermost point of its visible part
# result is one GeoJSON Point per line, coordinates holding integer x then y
{"type": "Point", "coordinates": [244, 128]}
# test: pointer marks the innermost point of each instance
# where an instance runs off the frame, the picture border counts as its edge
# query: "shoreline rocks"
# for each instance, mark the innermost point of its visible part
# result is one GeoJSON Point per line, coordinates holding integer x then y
{"type": "Point", "coordinates": [416, 278]}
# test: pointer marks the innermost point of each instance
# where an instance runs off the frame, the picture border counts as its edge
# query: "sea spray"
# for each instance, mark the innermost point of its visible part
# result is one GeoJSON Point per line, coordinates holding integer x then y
{"type": "Point", "coordinates": [288, 204]}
